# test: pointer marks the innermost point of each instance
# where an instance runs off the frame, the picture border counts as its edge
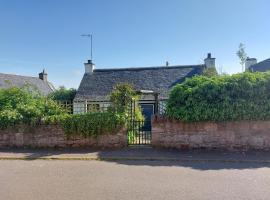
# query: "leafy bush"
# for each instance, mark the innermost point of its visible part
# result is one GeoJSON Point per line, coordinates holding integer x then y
{"type": "Point", "coordinates": [9, 118]}
{"type": "Point", "coordinates": [92, 124]}
{"type": "Point", "coordinates": [19, 106]}
{"type": "Point", "coordinates": [122, 98]}
{"type": "Point", "coordinates": [210, 72]}
{"type": "Point", "coordinates": [63, 94]}
{"type": "Point", "coordinates": [23, 106]}
{"type": "Point", "coordinates": [244, 96]}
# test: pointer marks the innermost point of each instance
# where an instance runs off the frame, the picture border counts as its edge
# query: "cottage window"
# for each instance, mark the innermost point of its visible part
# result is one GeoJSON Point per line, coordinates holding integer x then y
{"type": "Point", "coordinates": [93, 107]}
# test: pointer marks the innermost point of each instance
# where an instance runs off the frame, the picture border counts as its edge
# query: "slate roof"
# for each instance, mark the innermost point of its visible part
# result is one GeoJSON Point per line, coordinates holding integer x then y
{"type": "Point", "coordinates": [261, 66]}
{"type": "Point", "coordinates": [11, 80]}
{"type": "Point", "coordinates": [99, 84]}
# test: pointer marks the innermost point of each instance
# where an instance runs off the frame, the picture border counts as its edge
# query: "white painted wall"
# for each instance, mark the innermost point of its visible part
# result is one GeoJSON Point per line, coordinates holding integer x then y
{"type": "Point", "coordinates": [82, 106]}
{"type": "Point", "coordinates": [79, 107]}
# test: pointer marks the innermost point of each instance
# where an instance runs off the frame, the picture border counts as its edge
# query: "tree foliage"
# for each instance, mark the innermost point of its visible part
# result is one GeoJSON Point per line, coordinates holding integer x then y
{"type": "Point", "coordinates": [122, 98]}
{"type": "Point", "coordinates": [242, 55]}
{"type": "Point", "coordinates": [25, 106]}
{"type": "Point", "coordinates": [97, 123]}
{"type": "Point", "coordinates": [244, 96]}
{"type": "Point", "coordinates": [209, 72]}
{"type": "Point", "coordinates": [63, 94]}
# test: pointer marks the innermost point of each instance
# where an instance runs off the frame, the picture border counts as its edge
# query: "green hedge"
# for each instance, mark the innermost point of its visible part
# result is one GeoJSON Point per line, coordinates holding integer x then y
{"type": "Point", "coordinates": [92, 124]}
{"type": "Point", "coordinates": [244, 96]}
{"type": "Point", "coordinates": [25, 106]}
{"type": "Point", "coordinates": [62, 94]}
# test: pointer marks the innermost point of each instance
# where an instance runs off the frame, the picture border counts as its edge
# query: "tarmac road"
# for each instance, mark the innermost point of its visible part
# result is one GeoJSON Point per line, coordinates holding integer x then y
{"type": "Point", "coordinates": [138, 180]}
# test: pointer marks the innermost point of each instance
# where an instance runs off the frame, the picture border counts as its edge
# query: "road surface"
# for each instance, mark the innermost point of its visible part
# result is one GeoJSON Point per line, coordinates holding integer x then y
{"type": "Point", "coordinates": [138, 180]}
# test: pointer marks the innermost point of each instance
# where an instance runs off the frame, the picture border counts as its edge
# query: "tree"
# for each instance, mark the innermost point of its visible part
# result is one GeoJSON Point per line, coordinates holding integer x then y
{"type": "Point", "coordinates": [241, 53]}
{"type": "Point", "coordinates": [63, 94]}
{"type": "Point", "coordinates": [210, 72]}
{"type": "Point", "coordinates": [18, 105]}
{"type": "Point", "coordinates": [122, 97]}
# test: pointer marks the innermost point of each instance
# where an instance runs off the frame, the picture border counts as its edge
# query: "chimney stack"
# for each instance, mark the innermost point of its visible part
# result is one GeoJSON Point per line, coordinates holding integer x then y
{"type": "Point", "coordinates": [89, 67]}
{"type": "Point", "coordinates": [43, 76]}
{"type": "Point", "coordinates": [249, 62]}
{"type": "Point", "coordinates": [209, 61]}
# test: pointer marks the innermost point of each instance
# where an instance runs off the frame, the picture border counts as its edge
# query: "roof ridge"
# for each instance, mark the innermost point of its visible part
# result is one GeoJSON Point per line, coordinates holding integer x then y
{"type": "Point", "coordinates": [148, 68]}
{"type": "Point", "coordinates": [20, 75]}
{"type": "Point", "coordinates": [262, 61]}
{"type": "Point", "coordinates": [45, 87]}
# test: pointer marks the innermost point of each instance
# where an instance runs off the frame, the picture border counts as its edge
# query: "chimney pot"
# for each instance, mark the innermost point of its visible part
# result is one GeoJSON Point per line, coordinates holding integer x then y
{"type": "Point", "coordinates": [89, 67]}
{"type": "Point", "coordinates": [249, 62]}
{"type": "Point", "coordinates": [43, 76]}
{"type": "Point", "coordinates": [209, 61]}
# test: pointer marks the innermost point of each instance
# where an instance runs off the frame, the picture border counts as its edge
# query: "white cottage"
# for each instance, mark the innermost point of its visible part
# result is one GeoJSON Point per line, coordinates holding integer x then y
{"type": "Point", "coordinates": [153, 82]}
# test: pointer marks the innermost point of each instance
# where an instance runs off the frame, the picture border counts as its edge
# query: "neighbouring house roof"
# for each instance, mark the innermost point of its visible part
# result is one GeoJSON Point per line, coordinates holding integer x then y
{"type": "Point", "coordinates": [99, 84]}
{"type": "Point", "coordinates": [261, 66]}
{"type": "Point", "coordinates": [11, 80]}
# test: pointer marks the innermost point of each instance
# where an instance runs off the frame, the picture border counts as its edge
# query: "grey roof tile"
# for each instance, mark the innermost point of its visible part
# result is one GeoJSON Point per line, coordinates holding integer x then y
{"type": "Point", "coordinates": [11, 80]}
{"type": "Point", "coordinates": [99, 84]}
{"type": "Point", "coordinates": [261, 66]}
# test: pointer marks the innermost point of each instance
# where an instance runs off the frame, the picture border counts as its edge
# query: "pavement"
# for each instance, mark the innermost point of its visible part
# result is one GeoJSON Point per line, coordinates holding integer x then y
{"type": "Point", "coordinates": [135, 153]}
{"type": "Point", "coordinates": [133, 180]}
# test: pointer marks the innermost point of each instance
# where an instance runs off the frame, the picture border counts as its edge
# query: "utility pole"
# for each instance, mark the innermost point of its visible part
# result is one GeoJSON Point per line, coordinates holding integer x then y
{"type": "Point", "coordinates": [91, 40]}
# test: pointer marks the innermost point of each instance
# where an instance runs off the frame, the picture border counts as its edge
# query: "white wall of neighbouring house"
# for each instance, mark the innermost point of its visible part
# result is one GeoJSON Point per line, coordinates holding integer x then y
{"type": "Point", "coordinates": [80, 107]}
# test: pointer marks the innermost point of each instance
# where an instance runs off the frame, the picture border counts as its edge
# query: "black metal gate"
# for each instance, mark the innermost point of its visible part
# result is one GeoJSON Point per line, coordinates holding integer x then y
{"type": "Point", "coordinates": [139, 133]}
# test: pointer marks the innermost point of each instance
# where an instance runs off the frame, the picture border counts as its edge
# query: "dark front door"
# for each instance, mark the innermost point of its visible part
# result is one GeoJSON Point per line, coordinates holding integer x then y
{"type": "Point", "coordinates": [147, 111]}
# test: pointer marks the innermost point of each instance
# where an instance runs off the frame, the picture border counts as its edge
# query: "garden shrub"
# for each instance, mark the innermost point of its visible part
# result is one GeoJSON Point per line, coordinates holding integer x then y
{"type": "Point", "coordinates": [20, 105]}
{"type": "Point", "coordinates": [63, 95]}
{"type": "Point", "coordinates": [210, 72]}
{"type": "Point", "coordinates": [93, 124]}
{"type": "Point", "coordinates": [244, 96]}
{"type": "Point", "coordinates": [122, 98]}
{"type": "Point", "coordinates": [97, 123]}
{"type": "Point", "coordinates": [23, 106]}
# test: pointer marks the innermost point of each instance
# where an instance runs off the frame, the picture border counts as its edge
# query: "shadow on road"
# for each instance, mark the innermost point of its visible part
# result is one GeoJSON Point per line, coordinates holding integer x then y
{"type": "Point", "coordinates": [198, 165]}
{"type": "Point", "coordinates": [196, 159]}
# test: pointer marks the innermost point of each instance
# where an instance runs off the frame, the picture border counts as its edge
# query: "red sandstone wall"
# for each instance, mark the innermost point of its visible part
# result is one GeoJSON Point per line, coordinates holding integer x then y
{"type": "Point", "coordinates": [219, 135]}
{"type": "Point", "coordinates": [44, 136]}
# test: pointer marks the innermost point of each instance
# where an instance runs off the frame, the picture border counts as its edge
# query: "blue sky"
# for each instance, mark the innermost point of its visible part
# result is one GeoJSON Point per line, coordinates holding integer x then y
{"type": "Point", "coordinates": [37, 34]}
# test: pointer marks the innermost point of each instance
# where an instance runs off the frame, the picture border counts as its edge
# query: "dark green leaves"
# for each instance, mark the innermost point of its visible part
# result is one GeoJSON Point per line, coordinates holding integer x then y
{"type": "Point", "coordinates": [22, 106]}
{"type": "Point", "coordinates": [93, 124]}
{"type": "Point", "coordinates": [244, 96]}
